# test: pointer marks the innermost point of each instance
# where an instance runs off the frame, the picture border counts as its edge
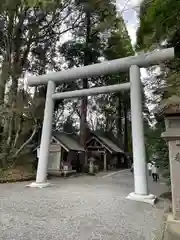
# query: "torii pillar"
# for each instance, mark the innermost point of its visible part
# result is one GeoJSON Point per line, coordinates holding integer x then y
{"type": "Point", "coordinates": [133, 64]}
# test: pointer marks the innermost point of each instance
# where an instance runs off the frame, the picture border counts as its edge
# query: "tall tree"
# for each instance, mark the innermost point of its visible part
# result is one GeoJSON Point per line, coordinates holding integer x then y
{"type": "Point", "coordinates": [29, 40]}
{"type": "Point", "coordinates": [159, 28]}
{"type": "Point", "coordinates": [118, 46]}
{"type": "Point", "coordinates": [86, 47]}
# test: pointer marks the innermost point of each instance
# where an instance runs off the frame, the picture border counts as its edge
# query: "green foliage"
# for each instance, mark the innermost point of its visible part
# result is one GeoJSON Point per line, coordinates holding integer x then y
{"type": "Point", "coordinates": [159, 21]}
{"type": "Point", "coordinates": [30, 43]}
{"type": "Point", "coordinates": [156, 147]}
{"type": "Point", "coordinates": [45, 4]}
{"type": "Point", "coordinates": [119, 43]}
{"type": "Point", "coordinates": [29, 37]}
{"type": "Point", "coordinates": [101, 35]}
{"type": "Point", "coordinates": [159, 28]}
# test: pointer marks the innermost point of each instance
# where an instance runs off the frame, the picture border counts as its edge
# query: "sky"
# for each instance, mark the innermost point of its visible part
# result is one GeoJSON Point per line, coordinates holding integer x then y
{"type": "Point", "coordinates": [129, 9]}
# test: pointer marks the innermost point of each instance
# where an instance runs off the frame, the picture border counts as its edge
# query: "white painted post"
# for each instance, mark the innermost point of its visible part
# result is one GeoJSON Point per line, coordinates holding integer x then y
{"type": "Point", "coordinates": [46, 134]}
{"type": "Point", "coordinates": [139, 156]}
{"type": "Point", "coordinates": [107, 67]}
{"type": "Point", "coordinates": [118, 65]}
{"type": "Point", "coordinates": [92, 91]}
{"type": "Point", "coordinates": [141, 192]}
{"type": "Point", "coordinates": [41, 175]}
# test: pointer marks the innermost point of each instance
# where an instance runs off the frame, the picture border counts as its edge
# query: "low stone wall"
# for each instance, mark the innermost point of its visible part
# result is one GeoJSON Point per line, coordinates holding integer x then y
{"type": "Point", "coordinates": [172, 230]}
{"type": "Point", "coordinates": [16, 175]}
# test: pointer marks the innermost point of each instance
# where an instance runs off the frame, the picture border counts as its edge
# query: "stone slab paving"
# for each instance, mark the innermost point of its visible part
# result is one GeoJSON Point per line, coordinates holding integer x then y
{"type": "Point", "coordinates": [84, 208]}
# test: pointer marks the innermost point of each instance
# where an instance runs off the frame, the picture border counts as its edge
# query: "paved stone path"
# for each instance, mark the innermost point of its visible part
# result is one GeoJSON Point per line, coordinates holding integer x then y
{"type": "Point", "coordinates": [83, 208]}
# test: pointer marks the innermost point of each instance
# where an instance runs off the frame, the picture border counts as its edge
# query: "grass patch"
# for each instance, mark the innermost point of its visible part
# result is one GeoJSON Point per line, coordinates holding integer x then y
{"type": "Point", "coordinates": [19, 173]}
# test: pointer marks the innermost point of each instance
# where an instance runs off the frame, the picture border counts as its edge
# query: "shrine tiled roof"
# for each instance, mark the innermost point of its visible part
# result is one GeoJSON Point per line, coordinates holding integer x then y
{"type": "Point", "coordinates": [68, 140]}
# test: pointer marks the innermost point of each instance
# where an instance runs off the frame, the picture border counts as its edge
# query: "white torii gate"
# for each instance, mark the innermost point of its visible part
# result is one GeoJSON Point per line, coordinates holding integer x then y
{"type": "Point", "coordinates": [133, 64]}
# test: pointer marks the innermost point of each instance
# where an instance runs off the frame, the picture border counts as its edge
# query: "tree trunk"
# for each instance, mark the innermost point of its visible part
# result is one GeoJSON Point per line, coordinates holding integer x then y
{"type": "Point", "coordinates": [3, 79]}
{"type": "Point", "coordinates": [106, 122]}
{"type": "Point", "coordinates": [4, 76]}
{"type": "Point", "coordinates": [17, 67]}
{"type": "Point", "coordinates": [119, 121]}
{"type": "Point", "coordinates": [126, 142]}
{"type": "Point", "coordinates": [18, 132]}
{"type": "Point", "coordinates": [9, 129]}
{"type": "Point", "coordinates": [26, 143]}
{"type": "Point", "coordinates": [6, 64]}
{"type": "Point", "coordinates": [84, 101]}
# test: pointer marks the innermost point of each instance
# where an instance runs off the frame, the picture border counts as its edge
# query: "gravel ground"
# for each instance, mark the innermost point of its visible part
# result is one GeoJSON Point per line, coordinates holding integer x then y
{"type": "Point", "coordinates": [83, 208]}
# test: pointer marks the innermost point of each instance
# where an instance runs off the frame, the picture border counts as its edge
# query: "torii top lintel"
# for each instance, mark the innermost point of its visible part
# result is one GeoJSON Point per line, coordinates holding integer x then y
{"type": "Point", "coordinates": [107, 67]}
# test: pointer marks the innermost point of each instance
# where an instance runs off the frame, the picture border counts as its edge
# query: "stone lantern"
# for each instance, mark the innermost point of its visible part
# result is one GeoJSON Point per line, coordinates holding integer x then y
{"type": "Point", "coordinates": [91, 165]}
{"type": "Point", "coordinates": [170, 109]}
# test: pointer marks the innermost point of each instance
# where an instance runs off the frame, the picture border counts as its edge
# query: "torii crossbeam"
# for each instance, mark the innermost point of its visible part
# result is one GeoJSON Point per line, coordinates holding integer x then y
{"type": "Point", "coordinates": [133, 64]}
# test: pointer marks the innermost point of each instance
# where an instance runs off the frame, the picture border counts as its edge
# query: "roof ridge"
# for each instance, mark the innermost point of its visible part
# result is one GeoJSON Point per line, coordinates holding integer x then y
{"type": "Point", "coordinates": [106, 140]}
{"type": "Point", "coordinates": [69, 140]}
{"type": "Point", "coordinates": [66, 133]}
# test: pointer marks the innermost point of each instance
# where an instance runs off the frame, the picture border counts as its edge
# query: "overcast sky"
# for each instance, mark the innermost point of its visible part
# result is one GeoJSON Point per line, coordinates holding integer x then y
{"type": "Point", "coordinates": [129, 9]}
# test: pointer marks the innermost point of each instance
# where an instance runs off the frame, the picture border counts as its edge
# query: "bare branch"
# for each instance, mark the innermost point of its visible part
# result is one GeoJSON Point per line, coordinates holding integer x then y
{"type": "Point", "coordinates": [26, 52]}
{"type": "Point", "coordinates": [74, 25]}
{"type": "Point", "coordinates": [27, 142]}
{"type": "Point", "coordinates": [18, 131]}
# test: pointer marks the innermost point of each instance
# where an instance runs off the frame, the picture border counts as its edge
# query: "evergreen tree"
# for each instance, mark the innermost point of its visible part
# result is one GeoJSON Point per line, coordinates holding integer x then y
{"type": "Point", "coordinates": [29, 38]}
{"type": "Point", "coordinates": [159, 28]}
{"type": "Point", "coordinates": [86, 46]}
